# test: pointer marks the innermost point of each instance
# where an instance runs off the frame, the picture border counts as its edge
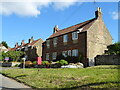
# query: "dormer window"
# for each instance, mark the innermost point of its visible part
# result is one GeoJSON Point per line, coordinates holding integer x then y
{"type": "Point", "coordinates": [74, 35]}
{"type": "Point", "coordinates": [48, 43]}
{"type": "Point", "coordinates": [55, 41]}
{"type": "Point", "coordinates": [65, 38]}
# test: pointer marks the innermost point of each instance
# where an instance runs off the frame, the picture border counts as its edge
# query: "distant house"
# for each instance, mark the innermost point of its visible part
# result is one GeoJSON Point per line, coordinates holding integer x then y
{"type": "Point", "coordinates": [89, 38]}
{"type": "Point", "coordinates": [3, 48]}
{"type": "Point", "coordinates": [33, 48]}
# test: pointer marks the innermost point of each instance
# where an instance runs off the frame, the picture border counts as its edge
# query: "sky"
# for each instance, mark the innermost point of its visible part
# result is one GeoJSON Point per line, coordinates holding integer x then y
{"type": "Point", "coordinates": [21, 20]}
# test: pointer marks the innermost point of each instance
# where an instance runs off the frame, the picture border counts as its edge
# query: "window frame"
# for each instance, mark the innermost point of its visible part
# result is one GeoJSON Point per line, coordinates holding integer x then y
{"type": "Point", "coordinates": [48, 43]}
{"type": "Point", "coordinates": [69, 53]}
{"type": "Point", "coordinates": [65, 53]}
{"type": "Point", "coordinates": [54, 55]}
{"type": "Point", "coordinates": [74, 35]}
{"type": "Point", "coordinates": [55, 41]}
{"type": "Point", "coordinates": [47, 56]}
{"type": "Point", "coordinates": [65, 38]}
{"type": "Point", "coordinates": [75, 52]}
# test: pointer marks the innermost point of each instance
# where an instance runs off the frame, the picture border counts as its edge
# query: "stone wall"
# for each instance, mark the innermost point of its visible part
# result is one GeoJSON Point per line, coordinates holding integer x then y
{"type": "Point", "coordinates": [107, 60]}
{"type": "Point", "coordinates": [98, 38]}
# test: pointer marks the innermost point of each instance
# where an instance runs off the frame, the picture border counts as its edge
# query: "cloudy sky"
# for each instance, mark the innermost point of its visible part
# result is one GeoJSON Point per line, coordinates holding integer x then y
{"type": "Point", "coordinates": [21, 20]}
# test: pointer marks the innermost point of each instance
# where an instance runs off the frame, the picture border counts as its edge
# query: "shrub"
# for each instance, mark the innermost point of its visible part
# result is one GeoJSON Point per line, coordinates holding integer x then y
{"type": "Point", "coordinates": [44, 62]}
{"type": "Point", "coordinates": [70, 59]}
{"type": "Point", "coordinates": [62, 62]}
{"type": "Point", "coordinates": [113, 49]}
{"type": "Point", "coordinates": [59, 57]}
{"type": "Point", "coordinates": [34, 62]}
{"type": "Point", "coordinates": [28, 64]}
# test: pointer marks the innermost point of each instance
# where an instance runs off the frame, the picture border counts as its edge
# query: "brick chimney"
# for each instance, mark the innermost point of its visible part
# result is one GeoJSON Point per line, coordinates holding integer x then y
{"type": "Point", "coordinates": [56, 29]}
{"type": "Point", "coordinates": [98, 13]}
{"type": "Point", "coordinates": [31, 39]}
{"type": "Point", "coordinates": [22, 43]}
{"type": "Point", "coordinates": [16, 45]}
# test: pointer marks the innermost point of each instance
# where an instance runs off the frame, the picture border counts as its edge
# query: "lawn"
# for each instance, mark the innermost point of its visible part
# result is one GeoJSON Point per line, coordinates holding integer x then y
{"type": "Point", "coordinates": [92, 77]}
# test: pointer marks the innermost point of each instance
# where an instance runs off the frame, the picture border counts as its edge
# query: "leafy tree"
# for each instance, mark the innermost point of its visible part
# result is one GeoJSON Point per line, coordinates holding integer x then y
{"type": "Point", "coordinates": [113, 49]}
{"type": "Point", "coordinates": [15, 55]}
{"type": "Point", "coordinates": [4, 44]}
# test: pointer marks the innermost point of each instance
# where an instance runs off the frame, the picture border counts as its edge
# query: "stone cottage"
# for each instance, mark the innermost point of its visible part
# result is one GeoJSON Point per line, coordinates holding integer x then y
{"type": "Point", "coordinates": [90, 38]}
{"type": "Point", "coordinates": [33, 48]}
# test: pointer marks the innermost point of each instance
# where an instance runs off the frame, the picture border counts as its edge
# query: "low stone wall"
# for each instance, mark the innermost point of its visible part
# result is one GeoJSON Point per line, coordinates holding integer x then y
{"type": "Point", "coordinates": [9, 64]}
{"type": "Point", "coordinates": [107, 60]}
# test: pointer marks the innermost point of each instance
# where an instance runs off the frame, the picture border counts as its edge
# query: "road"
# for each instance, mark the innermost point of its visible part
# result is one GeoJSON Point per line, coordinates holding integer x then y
{"type": "Point", "coordinates": [10, 84]}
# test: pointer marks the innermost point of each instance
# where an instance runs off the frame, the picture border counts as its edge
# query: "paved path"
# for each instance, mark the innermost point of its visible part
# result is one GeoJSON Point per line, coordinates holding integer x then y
{"type": "Point", "coordinates": [7, 83]}
{"type": "Point", "coordinates": [3, 68]}
{"type": "Point", "coordinates": [10, 84]}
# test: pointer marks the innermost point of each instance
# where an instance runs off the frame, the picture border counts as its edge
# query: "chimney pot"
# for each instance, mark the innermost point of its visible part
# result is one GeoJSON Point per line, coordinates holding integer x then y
{"type": "Point", "coordinates": [98, 13]}
{"type": "Point", "coordinates": [22, 43]}
{"type": "Point", "coordinates": [56, 29]}
{"type": "Point", "coordinates": [16, 45]}
{"type": "Point", "coordinates": [31, 39]}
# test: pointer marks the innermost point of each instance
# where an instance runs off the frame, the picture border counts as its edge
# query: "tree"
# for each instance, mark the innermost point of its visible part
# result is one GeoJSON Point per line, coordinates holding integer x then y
{"type": "Point", "coordinates": [15, 55]}
{"type": "Point", "coordinates": [4, 44]}
{"type": "Point", "coordinates": [113, 49]}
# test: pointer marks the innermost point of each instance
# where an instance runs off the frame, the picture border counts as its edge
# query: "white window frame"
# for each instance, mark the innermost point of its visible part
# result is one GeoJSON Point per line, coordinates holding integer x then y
{"type": "Point", "coordinates": [69, 53]}
{"type": "Point", "coordinates": [55, 41]}
{"type": "Point", "coordinates": [64, 53]}
{"type": "Point", "coordinates": [65, 38]}
{"type": "Point", "coordinates": [48, 43]}
{"type": "Point", "coordinates": [54, 55]}
{"type": "Point", "coordinates": [75, 52]}
{"type": "Point", "coordinates": [47, 56]}
{"type": "Point", "coordinates": [74, 35]}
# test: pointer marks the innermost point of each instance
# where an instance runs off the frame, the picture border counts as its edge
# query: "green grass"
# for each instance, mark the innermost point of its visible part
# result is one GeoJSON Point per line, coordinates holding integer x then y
{"type": "Point", "coordinates": [92, 77]}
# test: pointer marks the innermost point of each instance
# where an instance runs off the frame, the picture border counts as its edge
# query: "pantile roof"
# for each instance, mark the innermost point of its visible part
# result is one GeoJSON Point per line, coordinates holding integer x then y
{"type": "Point", "coordinates": [84, 25]}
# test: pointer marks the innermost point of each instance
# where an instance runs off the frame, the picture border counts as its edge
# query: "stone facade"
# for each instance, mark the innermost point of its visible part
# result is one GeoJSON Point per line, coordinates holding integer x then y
{"type": "Point", "coordinates": [98, 38]}
{"type": "Point", "coordinates": [3, 48]}
{"type": "Point", "coordinates": [35, 50]}
{"type": "Point", "coordinates": [93, 39]}
{"type": "Point", "coordinates": [32, 49]}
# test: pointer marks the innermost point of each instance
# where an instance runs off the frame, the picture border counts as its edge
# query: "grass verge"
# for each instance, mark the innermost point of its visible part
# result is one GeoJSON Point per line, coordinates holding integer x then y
{"type": "Point", "coordinates": [104, 76]}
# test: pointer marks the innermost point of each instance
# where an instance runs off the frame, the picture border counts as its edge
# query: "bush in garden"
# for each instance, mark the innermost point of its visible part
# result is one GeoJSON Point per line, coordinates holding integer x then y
{"type": "Point", "coordinates": [44, 62]}
{"type": "Point", "coordinates": [62, 62]}
{"type": "Point", "coordinates": [28, 64]}
{"type": "Point", "coordinates": [59, 57]}
{"type": "Point", "coordinates": [34, 62]}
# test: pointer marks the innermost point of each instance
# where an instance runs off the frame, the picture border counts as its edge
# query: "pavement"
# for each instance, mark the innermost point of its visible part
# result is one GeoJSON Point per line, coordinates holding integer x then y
{"type": "Point", "coordinates": [2, 68]}
{"type": "Point", "coordinates": [10, 84]}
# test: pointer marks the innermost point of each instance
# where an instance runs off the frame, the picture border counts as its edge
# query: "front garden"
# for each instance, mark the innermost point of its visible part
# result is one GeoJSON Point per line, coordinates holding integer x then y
{"type": "Point", "coordinates": [104, 76]}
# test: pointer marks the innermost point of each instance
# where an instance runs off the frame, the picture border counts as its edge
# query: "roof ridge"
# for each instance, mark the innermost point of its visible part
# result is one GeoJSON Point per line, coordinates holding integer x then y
{"type": "Point", "coordinates": [72, 28]}
{"type": "Point", "coordinates": [77, 24]}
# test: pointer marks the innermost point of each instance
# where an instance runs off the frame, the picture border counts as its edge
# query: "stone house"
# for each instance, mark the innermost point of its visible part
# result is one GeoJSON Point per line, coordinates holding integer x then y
{"type": "Point", "coordinates": [33, 48]}
{"type": "Point", "coordinates": [3, 48]}
{"type": "Point", "coordinates": [90, 38]}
